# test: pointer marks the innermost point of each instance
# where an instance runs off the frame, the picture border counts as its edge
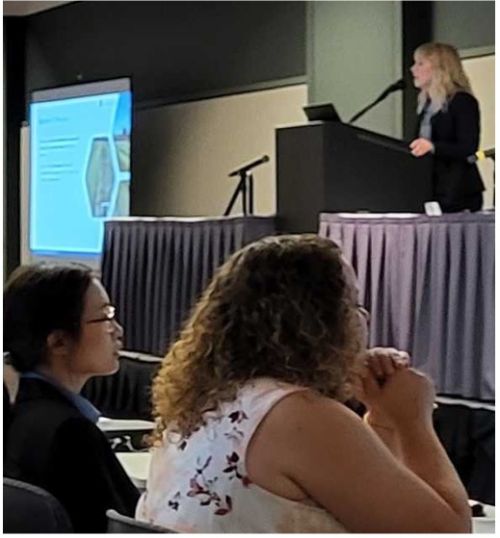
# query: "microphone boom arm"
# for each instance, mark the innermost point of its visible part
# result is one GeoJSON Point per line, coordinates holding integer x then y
{"type": "Point", "coordinates": [246, 167]}
{"type": "Point", "coordinates": [399, 85]}
{"type": "Point", "coordinates": [245, 186]}
{"type": "Point", "coordinates": [367, 108]}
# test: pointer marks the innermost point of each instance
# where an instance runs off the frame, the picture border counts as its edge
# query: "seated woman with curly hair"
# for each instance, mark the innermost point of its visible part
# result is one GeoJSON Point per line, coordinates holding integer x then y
{"type": "Point", "coordinates": [252, 433]}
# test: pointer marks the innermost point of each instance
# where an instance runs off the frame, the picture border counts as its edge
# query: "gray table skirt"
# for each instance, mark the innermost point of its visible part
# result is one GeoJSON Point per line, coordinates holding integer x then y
{"type": "Point", "coordinates": [155, 268]}
{"type": "Point", "coordinates": [429, 284]}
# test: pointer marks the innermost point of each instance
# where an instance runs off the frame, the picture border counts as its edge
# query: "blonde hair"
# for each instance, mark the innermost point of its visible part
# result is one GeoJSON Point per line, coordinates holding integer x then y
{"type": "Point", "coordinates": [279, 308]}
{"type": "Point", "coordinates": [448, 76]}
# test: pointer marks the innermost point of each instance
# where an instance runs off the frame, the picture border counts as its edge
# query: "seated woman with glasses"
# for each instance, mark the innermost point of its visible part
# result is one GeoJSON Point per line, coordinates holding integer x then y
{"type": "Point", "coordinates": [60, 330]}
{"type": "Point", "coordinates": [252, 432]}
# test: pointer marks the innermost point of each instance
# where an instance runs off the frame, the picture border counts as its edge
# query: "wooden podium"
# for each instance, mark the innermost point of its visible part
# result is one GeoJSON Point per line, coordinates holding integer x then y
{"type": "Point", "coordinates": [333, 167]}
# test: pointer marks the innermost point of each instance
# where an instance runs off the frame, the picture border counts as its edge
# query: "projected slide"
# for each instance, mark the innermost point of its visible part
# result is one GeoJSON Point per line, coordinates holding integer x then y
{"type": "Point", "coordinates": [80, 167]}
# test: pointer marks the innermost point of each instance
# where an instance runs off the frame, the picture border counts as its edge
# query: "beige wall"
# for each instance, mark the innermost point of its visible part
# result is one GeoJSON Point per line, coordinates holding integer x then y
{"type": "Point", "coordinates": [202, 141]}
{"type": "Point", "coordinates": [26, 7]}
{"type": "Point", "coordinates": [481, 72]}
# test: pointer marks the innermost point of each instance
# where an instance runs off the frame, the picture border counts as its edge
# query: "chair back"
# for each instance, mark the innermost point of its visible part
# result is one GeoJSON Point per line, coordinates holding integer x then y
{"type": "Point", "coordinates": [127, 393]}
{"type": "Point", "coordinates": [30, 509]}
{"type": "Point", "coordinates": [120, 524]}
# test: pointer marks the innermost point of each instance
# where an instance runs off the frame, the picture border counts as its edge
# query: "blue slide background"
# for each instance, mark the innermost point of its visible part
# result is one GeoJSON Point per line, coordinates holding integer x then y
{"type": "Point", "coordinates": [65, 138]}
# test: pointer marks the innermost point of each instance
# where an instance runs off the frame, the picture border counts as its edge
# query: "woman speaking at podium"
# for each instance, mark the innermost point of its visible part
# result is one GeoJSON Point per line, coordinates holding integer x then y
{"type": "Point", "coordinates": [448, 126]}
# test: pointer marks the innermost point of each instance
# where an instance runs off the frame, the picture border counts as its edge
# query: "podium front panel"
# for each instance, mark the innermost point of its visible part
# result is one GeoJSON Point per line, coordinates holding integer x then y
{"type": "Point", "coordinates": [332, 167]}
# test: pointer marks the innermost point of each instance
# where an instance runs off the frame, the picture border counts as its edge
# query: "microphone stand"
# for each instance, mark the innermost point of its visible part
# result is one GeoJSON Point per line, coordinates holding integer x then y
{"type": "Point", "coordinates": [399, 85]}
{"type": "Point", "coordinates": [494, 183]}
{"type": "Point", "coordinates": [250, 193]}
{"type": "Point", "coordinates": [245, 187]}
{"type": "Point", "coordinates": [368, 107]}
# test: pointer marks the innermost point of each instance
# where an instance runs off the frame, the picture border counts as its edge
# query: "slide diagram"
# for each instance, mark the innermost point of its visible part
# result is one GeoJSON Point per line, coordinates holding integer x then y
{"type": "Point", "coordinates": [80, 170]}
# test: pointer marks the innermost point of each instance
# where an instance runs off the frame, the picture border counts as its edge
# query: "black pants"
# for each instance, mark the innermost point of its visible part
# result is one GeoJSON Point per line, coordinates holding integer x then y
{"type": "Point", "coordinates": [473, 202]}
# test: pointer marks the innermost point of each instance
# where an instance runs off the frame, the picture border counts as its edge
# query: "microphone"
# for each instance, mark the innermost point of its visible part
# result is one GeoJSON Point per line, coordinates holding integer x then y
{"type": "Point", "coordinates": [398, 85]}
{"type": "Point", "coordinates": [481, 154]}
{"type": "Point", "coordinates": [246, 167]}
{"type": "Point", "coordinates": [394, 87]}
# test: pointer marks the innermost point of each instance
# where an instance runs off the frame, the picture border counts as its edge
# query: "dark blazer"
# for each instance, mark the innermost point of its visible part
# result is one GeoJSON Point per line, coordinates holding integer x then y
{"type": "Point", "coordinates": [455, 135]}
{"type": "Point", "coordinates": [52, 445]}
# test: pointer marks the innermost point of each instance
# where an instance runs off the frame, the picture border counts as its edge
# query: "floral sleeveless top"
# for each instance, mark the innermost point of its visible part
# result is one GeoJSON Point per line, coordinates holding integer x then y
{"type": "Point", "coordinates": [201, 484]}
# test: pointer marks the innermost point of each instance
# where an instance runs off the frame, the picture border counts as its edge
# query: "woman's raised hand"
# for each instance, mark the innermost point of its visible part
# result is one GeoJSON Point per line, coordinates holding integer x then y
{"type": "Point", "coordinates": [378, 364]}
{"type": "Point", "coordinates": [374, 367]}
{"type": "Point", "coordinates": [393, 393]}
{"type": "Point", "coordinates": [382, 362]}
{"type": "Point", "coordinates": [407, 399]}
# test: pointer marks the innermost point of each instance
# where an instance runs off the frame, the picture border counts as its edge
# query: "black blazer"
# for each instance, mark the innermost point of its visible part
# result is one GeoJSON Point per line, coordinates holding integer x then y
{"type": "Point", "coordinates": [455, 135]}
{"type": "Point", "coordinates": [52, 445]}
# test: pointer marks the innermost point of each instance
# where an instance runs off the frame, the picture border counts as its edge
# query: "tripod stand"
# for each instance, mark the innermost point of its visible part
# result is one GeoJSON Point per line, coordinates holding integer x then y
{"type": "Point", "coordinates": [494, 183]}
{"type": "Point", "coordinates": [244, 186]}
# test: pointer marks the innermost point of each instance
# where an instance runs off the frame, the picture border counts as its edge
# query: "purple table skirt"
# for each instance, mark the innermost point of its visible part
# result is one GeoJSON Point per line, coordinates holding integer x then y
{"type": "Point", "coordinates": [155, 269]}
{"type": "Point", "coordinates": [429, 284]}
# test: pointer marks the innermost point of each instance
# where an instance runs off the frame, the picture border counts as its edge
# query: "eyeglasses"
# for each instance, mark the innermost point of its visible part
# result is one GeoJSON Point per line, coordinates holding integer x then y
{"type": "Point", "coordinates": [108, 315]}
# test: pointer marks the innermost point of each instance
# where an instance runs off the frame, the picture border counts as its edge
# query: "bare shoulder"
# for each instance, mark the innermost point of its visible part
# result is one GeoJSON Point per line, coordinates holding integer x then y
{"type": "Point", "coordinates": [309, 403]}
{"type": "Point", "coordinates": [310, 413]}
{"type": "Point", "coordinates": [284, 439]}
{"type": "Point", "coordinates": [313, 447]}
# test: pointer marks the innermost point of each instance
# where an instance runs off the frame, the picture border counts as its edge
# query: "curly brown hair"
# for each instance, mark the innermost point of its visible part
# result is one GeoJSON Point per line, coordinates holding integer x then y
{"type": "Point", "coordinates": [280, 307]}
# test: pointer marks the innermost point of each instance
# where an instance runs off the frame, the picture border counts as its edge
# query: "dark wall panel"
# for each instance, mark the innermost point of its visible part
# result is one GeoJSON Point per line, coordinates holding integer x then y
{"type": "Point", "coordinates": [14, 31]}
{"type": "Point", "coordinates": [465, 24]}
{"type": "Point", "coordinates": [172, 50]}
